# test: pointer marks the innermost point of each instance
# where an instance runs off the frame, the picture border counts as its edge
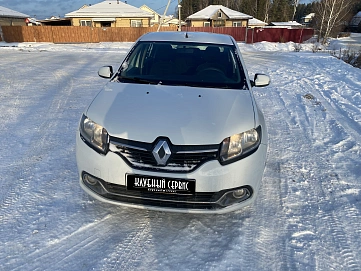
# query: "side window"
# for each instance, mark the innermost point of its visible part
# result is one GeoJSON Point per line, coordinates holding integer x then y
{"type": "Point", "coordinates": [136, 23]}
{"type": "Point", "coordinates": [85, 23]}
{"type": "Point", "coordinates": [220, 23]}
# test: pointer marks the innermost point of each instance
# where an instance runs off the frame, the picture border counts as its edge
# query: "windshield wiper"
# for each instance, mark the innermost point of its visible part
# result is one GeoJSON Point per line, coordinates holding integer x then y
{"type": "Point", "coordinates": [138, 80]}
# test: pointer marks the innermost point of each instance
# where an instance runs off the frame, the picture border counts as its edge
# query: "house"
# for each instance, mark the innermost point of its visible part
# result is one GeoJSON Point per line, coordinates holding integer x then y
{"type": "Point", "coordinates": [253, 23]}
{"type": "Point", "coordinates": [307, 20]}
{"type": "Point", "coordinates": [290, 24]}
{"type": "Point", "coordinates": [56, 21]}
{"type": "Point", "coordinates": [156, 16]}
{"type": "Point", "coordinates": [168, 20]}
{"type": "Point", "coordinates": [355, 24]}
{"type": "Point", "coordinates": [110, 13]}
{"type": "Point", "coordinates": [171, 21]}
{"type": "Point", "coordinates": [32, 21]}
{"type": "Point", "coordinates": [217, 16]}
{"type": "Point", "coordinates": [11, 17]}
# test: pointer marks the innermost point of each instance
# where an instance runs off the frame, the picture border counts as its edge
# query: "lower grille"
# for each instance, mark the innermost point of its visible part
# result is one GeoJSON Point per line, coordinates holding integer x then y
{"type": "Point", "coordinates": [121, 194]}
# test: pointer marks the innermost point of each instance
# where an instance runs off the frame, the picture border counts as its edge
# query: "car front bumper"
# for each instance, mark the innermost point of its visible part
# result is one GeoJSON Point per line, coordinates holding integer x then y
{"type": "Point", "coordinates": [212, 179]}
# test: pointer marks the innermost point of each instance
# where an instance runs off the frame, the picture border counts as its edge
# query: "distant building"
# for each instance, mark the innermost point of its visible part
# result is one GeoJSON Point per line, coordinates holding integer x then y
{"type": "Point", "coordinates": [355, 24]}
{"type": "Point", "coordinates": [110, 13]}
{"type": "Point", "coordinates": [32, 21]}
{"type": "Point", "coordinates": [11, 17]}
{"type": "Point", "coordinates": [160, 19]}
{"type": "Point", "coordinates": [307, 20]}
{"type": "Point", "coordinates": [253, 23]}
{"type": "Point", "coordinates": [217, 16]}
{"type": "Point", "coordinates": [290, 24]}
{"type": "Point", "coordinates": [56, 21]}
{"type": "Point", "coordinates": [172, 21]}
{"type": "Point", "coordinates": [156, 16]}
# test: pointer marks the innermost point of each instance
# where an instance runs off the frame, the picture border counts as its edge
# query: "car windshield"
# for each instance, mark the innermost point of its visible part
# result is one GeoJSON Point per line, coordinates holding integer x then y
{"type": "Point", "coordinates": [185, 64]}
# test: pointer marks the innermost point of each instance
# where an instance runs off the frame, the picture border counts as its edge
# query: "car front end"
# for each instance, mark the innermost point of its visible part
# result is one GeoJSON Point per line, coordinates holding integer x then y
{"type": "Point", "coordinates": [169, 146]}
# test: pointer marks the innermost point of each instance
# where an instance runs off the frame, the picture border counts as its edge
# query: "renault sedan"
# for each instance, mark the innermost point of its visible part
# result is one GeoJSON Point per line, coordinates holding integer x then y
{"type": "Point", "coordinates": [176, 128]}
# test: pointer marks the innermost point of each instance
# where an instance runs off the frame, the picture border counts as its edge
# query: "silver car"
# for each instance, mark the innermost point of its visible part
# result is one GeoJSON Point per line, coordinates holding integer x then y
{"type": "Point", "coordinates": [176, 128]}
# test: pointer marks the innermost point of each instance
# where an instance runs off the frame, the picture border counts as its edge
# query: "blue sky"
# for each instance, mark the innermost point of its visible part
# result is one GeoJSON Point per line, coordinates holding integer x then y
{"type": "Point", "coordinates": [47, 8]}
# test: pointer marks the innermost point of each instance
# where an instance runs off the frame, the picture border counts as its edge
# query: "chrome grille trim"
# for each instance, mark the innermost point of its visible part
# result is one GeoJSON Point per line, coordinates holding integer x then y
{"type": "Point", "coordinates": [191, 152]}
{"type": "Point", "coordinates": [112, 143]}
{"type": "Point", "coordinates": [183, 158]}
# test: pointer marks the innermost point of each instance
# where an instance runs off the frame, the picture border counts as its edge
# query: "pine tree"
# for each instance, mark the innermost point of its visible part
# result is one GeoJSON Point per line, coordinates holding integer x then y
{"type": "Point", "coordinates": [281, 10]}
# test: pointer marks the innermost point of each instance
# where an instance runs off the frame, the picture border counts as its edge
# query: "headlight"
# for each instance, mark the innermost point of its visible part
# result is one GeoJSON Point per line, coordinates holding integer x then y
{"type": "Point", "coordinates": [94, 135]}
{"type": "Point", "coordinates": [240, 145]}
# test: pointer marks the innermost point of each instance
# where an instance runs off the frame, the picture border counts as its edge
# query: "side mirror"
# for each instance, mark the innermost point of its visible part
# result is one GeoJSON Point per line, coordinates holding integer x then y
{"type": "Point", "coordinates": [261, 80]}
{"type": "Point", "coordinates": [106, 72]}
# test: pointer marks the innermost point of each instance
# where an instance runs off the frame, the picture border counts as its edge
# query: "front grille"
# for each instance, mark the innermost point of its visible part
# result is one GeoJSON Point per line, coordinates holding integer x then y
{"type": "Point", "coordinates": [121, 194]}
{"type": "Point", "coordinates": [183, 159]}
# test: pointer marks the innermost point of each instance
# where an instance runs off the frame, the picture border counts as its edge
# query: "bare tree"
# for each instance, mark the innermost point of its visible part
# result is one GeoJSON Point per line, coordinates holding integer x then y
{"type": "Point", "coordinates": [295, 5]}
{"type": "Point", "coordinates": [331, 14]}
{"type": "Point", "coordinates": [267, 11]}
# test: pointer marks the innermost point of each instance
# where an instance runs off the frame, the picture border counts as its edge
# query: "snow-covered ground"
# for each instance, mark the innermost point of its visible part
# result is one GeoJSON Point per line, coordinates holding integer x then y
{"type": "Point", "coordinates": [307, 215]}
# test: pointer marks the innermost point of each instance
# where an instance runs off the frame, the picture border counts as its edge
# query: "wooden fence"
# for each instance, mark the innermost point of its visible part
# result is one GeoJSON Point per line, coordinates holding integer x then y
{"type": "Point", "coordinates": [252, 35]}
{"type": "Point", "coordinates": [298, 35]}
{"type": "Point", "coordinates": [77, 34]}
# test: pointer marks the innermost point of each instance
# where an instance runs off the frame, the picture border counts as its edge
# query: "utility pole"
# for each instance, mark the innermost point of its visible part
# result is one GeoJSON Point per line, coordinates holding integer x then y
{"type": "Point", "coordinates": [179, 16]}
{"type": "Point", "coordinates": [162, 19]}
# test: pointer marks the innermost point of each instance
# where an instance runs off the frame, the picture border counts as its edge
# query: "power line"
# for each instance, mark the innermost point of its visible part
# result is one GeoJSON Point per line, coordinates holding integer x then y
{"type": "Point", "coordinates": [165, 5]}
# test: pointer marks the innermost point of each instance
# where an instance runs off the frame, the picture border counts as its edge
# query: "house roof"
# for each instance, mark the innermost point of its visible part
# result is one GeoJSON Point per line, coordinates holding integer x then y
{"type": "Point", "coordinates": [356, 20]}
{"type": "Point", "coordinates": [148, 9]}
{"type": "Point", "coordinates": [285, 24]}
{"type": "Point", "coordinates": [211, 10]}
{"type": "Point", "coordinates": [6, 12]}
{"type": "Point", "coordinates": [309, 16]}
{"type": "Point", "coordinates": [255, 21]}
{"type": "Point", "coordinates": [33, 21]}
{"type": "Point", "coordinates": [109, 8]}
{"type": "Point", "coordinates": [168, 20]}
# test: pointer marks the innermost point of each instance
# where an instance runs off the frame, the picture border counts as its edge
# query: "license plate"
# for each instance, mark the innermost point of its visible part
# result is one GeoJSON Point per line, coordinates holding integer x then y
{"type": "Point", "coordinates": [160, 184]}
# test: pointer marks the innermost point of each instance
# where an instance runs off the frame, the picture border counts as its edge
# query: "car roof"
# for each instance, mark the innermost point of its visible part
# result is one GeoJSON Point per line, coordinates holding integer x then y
{"type": "Point", "coordinates": [197, 37]}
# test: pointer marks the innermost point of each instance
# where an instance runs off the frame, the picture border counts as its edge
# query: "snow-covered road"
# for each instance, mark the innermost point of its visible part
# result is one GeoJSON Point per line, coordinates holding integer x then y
{"type": "Point", "coordinates": [307, 215]}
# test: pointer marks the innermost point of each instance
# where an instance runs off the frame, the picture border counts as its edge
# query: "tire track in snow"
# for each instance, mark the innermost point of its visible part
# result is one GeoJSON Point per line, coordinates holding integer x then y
{"type": "Point", "coordinates": [340, 225]}
{"type": "Point", "coordinates": [284, 123]}
{"type": "Point", "coordinates": [24, 200]}
{"type": "Point", "coordinates": [348, 257]}
{"type": "Point", "coordinates": [304, 124]}
{"type": "Point", "coordinates": [267, 235]}
{"type": "Point", "coordinates": [21, 199]}
{"type": "Point", "coordinates": [82, 239]}
{"type": "Point", "coordinates": [34, 153]}
{"type": "Point", "coordinates": [284, 230]}
{"type": "Point", "coordinates": [127, 253]}
{"type": "Point", "coordinates": [329, 93]}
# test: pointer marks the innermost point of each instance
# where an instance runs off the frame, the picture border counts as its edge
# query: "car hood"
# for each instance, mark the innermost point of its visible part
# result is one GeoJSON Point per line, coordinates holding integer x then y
{"type": "Point", "coordinates": [185, 115]}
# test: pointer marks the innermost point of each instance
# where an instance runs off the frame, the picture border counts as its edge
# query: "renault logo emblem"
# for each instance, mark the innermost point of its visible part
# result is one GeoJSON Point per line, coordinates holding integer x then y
{"type": "Point", "coordinates": [162, 152]}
